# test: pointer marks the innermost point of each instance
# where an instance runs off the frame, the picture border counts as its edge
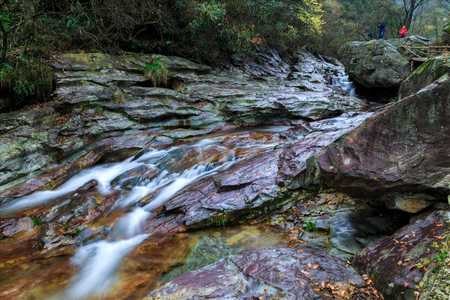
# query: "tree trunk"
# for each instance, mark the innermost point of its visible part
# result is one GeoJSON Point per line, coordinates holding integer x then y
{"type": "Point", "coordinates": [4, 49]}
{"type": "Point", "coordinates": [409, 19]}
{"type": "Point", "coordinates": [409, 13]}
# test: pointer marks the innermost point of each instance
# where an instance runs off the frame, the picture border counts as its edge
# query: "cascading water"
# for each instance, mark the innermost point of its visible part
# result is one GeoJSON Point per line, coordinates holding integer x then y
{"type": "Point", "coordinates": [99, 261]}
{"type": "Point", "coordinates": [347, 85]}
{"type": "Point", "coordinates": [103, 175]}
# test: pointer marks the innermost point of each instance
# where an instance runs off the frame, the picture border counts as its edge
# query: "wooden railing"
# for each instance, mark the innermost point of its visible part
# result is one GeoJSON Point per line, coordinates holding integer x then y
{"type": "Point", "coordinates": [423, 53]}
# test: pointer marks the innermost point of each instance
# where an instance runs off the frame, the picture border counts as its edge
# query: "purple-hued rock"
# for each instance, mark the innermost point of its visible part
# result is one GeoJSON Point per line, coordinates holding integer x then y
{"type": "Point", "coordinates": [280, 273]}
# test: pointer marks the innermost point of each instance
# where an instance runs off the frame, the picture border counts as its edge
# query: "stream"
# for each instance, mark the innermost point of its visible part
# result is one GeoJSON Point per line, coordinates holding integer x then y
{"type": "Point", "coordinates": [149, 213]}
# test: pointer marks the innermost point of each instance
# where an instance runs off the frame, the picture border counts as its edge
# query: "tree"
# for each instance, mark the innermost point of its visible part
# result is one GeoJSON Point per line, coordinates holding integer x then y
{"type": "Point", "coordinates": [410, 7]}
{"type": "Point", "coordinates": [5, 28]}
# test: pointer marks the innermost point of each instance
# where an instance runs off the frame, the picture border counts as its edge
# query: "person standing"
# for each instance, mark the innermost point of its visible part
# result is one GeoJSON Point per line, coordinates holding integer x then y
{"type": "Point", "coordinates": [403, 32]}
{"type": "Point", "coordinates": [381, 30]}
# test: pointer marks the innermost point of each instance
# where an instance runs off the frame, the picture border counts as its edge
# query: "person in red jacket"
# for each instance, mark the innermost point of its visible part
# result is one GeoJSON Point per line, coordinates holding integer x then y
{"type": "Point", "coordinates": [403, 32]}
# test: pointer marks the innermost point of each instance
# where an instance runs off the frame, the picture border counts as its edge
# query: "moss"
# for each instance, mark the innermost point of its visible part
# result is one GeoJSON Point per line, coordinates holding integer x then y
{"type": "Point", "coordinates": [436, 282]}
{"type": "Point", "coordinates": [118, 97]}
{"type": "Point", "coordinates": [220, 220]}
{"type": "Point", "coordinates": [283, 198]}
{"type": "Point", "coordinates": [424, 75]}
{"type": "Point", "coordinates": [91, 61]}
{"type": "Point", "coordinates": [206, 251]}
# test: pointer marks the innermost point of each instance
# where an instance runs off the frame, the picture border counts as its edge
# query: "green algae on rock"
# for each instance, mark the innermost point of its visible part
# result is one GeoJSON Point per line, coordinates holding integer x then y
{"type": "Point", "coordinates": [427, 73]}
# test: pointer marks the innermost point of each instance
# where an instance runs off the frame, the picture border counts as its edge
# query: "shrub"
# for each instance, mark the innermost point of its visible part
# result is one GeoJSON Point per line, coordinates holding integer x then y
{"type": "Point", "coordinates": [222, 28]}
{"type": "Point", "coordinates": [206, 30]}
{"type": "Point", "coordinates": [27, 80]}
{"type": "Point", "coordinates": [156, 71]}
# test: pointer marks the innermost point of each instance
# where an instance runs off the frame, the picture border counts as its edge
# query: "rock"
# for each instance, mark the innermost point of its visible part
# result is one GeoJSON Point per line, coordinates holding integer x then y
{"type": "Point", "coordinates": [409, 254]}
{"type": "Point", "coordinates": [424, 75]}
{"type": "Point", "coordinates": [410, 203]}
{"type": "Point", "coordinates": [253, 186]}
{"type": "Point", "coordinates": [410, 41]}
{"type": "Point", "coordinates": [105, 112]}
{"type": "Point", "coordinates": [403, 149]}
{"type": "Point", "coordinates": [378, 63]}
{"type": "Point", "coordinates": [268, 62]}
{"type": "Point", "coordinates": [104, 104]}
{"type": "Point", "coordinates": [14, 227]}
{"type": "Point", "coordinates": [375, 64]}
{"type": "Point", "coordinates": [339, 223]}
{"type": "Point", "coordinates": [279, 273]}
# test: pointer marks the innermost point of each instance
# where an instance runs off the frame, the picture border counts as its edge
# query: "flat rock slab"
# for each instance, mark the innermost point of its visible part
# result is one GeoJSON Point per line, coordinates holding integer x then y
{"type": "Point", "coordinates": [280, 273]}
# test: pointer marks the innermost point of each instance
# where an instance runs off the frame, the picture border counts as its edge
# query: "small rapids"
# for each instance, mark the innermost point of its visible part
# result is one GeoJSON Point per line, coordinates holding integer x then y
{"type": "Point", "coordinates": [98, 262]}
{"type": "Point", "coordinates": [103, 175]}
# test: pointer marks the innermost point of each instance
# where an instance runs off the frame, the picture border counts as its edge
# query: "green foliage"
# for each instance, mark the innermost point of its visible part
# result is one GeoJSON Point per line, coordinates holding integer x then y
{"type": "Point", "coordinates": [436, 282]}
{"type": "Point", "coordinates": [236, 26]}
{"type": "Point", "coordinates": [441, 256]}
{"type": "Point", "coordinates": [207, 30]}
{"type": "Point", "coordinates": [5, 20]}
{"type": "Point", "coordinates": [36, 221]}
{"type": "Point", "coordinates": [431, 22]}
{"type": "Point", "coordinates": [157, 72]}
{"type": "Point", "coordinates": [310, 14]}
{"type": "Point", "coordinates": [26, 80]}
{"type": "Point", "coordinates": [309, 226]}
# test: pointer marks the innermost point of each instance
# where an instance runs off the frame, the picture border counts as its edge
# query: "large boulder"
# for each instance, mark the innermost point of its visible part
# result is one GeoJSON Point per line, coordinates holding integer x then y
{"type": "Point", "coordinates": [280, 273]}
{"type": "Point", "coordinates": [403, 148]}
{"type": "Point", "coordinates": [417, 258]}
{"type": "Point", "coordinates": [378, 63]}
{"type": "Point", "coordinates": [427, 73]}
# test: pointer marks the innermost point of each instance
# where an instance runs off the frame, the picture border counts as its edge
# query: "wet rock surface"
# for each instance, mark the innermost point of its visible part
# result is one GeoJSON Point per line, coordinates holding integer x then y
{"type": "Point", "coordinates": [281, 273]}
{"type": "Point", "coordinates": [113, 164]}
{"type": "Point", "coordinates": [94, 184]}
{"type": "Point", "coordinates": [105, 101]}
{"type": "Point", "coordinates": [404, 147]}
{"type": "Point", "coordinates": [409, 254]}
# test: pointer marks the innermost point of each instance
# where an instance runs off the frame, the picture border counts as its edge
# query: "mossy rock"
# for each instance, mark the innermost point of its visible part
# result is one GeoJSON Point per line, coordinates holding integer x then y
{"type": "Point", "coordinates": [427, 73]}
{"type": "Point", "coordinates": [375, 64]}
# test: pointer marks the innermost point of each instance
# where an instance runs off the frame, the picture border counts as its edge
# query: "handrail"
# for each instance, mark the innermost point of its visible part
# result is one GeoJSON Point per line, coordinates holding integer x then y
{"type": "Point", "coordinates": [421, 52]}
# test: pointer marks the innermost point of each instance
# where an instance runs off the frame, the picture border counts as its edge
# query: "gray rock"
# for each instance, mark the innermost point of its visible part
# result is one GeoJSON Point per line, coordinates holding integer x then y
{"type": "Point", "coordinates": [379, 63]}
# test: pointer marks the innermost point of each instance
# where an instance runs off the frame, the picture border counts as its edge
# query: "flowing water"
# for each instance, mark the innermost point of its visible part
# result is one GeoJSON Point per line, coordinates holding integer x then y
{"type": "Point", "coordinates": [144, 183]}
